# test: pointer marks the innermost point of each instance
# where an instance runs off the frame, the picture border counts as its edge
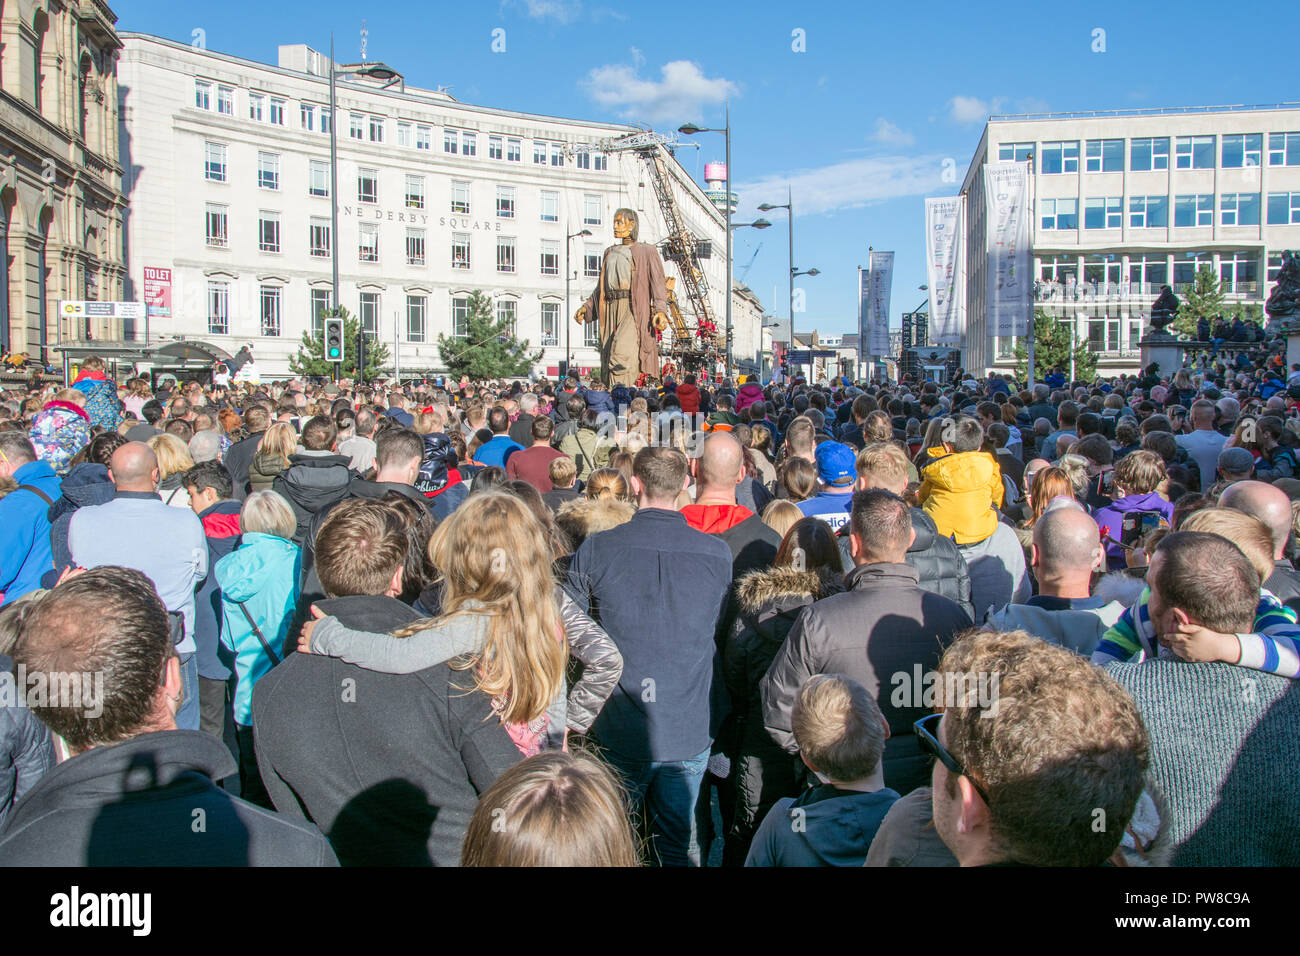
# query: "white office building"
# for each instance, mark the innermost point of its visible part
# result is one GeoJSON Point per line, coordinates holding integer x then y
{"type": "Point", "coordinates": [228, 174]}
{"type": "Point", "coordinates": [1129, 200]}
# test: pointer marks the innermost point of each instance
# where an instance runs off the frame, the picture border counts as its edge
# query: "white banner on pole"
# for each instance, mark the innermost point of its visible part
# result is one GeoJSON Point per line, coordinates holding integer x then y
{"type": "Point", "coordinates": [1007, 278]}
{"type": "Point", "coordinates": [945, 268]}
{"type": "Point", "coordinates": [880, 277]}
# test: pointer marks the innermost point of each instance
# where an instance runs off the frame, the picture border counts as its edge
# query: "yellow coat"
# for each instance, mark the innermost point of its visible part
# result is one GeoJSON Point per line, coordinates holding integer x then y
{"type": "Point", "coordinates": [959, 491]}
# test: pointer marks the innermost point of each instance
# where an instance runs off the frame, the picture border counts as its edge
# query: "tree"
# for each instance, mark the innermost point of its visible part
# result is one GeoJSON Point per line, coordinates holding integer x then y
{"type": "Point", "coordinates": [310, 359]}
{"type": "Point", "coordinates": [1203, 300]}
{"type": "Point", "coordinates": [1052, 350]}
{"type": "Point", "coordinates": [488, 349]}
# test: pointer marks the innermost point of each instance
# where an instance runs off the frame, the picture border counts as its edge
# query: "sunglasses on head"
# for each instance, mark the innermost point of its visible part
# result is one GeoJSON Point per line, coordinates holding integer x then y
{"type": "Point", "coordinates": [927, 734]}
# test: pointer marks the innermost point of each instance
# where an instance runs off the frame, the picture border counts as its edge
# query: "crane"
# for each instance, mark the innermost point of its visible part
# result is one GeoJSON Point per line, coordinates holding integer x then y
{"type": "Point", "coordinates": [749, 265]}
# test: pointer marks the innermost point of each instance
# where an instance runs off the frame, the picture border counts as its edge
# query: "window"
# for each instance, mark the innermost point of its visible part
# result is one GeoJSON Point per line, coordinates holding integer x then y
{"type": "Point", "coordinates": [1239, 209]}
{"type": "Point", "coordinates": [514, 150]}
{"type": "Point", "coordinates": [1134, 334]}
{"type": "Point", "coordinates": [276, 114]}
{"type": "Point", "coordinates": [550, 323]}
{"type": "Point", "coordinates": [1101, 273]}
{"type": "Point", "coordinates": [226, 100]}
{"type": "Point", "coordinates": [450, 141]}
{"type": "Point", "coordinates": [414, 191]}
{"type": "Point", "coordinates": [414, 247]}
{"type": "Point", "coordinates": [550, 257]}
{"type": "Point", "coordinates": [268, 170]}
{"type": "Point", "coordinates": [214, 162]}
{"type": "Point", "coordinates": [215, 218]}
{"type": "Point", "coordinates": [1284, 209]}
{"type": "Point", "coordinates": [459, 317]}
{"type": "Point", "coordinates": [270, 296]}
{"type": "Point", "coordinates": [325, 120]}
{"type": "Point", "coordinates": [505, 254]}
{"type": "Point", "coordinates": [1103, 212]}
{"type": "Point", "coordinates": [1148, 154]}
{"type": "Point", "coordinates": [469, 144]}
{"type": "Point", "coordinates": [319, 238]}
{"type": "Point", "coordinates": [1194, 152]}
{"type": "Point", "coordinates": [591, 261]}
{"type": "Point", "coordinates": [1148, 212]}
{"type": "Point", "coordinates": [307, 114]}
{"type": "Point", "coordinates": [505, 202]}
{"type": "Point", "coordinates": [417, 309]}
{"type": "Point", "coordinates": [367, 242]}
{"type": "Point", "coordinates": [1058, 213]}
{"type": "Point", "coordinates": [539, 153]}
{"type": "Point", "coordinates": [1186, 265]}
{"type": "Point", "coordinates": [369, 302]}
{"type": "Point", "coordinates": [459, 197]}
{"type": "Point", "coordinates": [1284, 149]}
{"type": "Point", "coordinates": [403, 134]}
{"type": "Point", "coordinates": [1105, 156]}
{"type": "Point", "coordinates": [424, 137]}
{"type": "Point", "coordinates": [268, 231]}
{"type": "Point", "coordinates": [1062, 270]}
{"type": "Point", "coordinates": [591, 335]}
{"type": "Point", "coordinates": [256, 101]}
{"type": "Point", "coordinates": [1015, 152]}
{"type": "Point", "coordinates": [460, 250]}
{"type": "Point", "coordinates": [318, 305]}
{"type": "Point", "coordinates": [367, 185]}
{"type": "Point", "coordinates": [1274, 266]}
{"type": "Point", "coordinates": [550, 206]}
{"type": "Point", "coordinates": [1061, 157]}
{"type": "Point", "coordinates": [557, 154]}
{"type": "Point", "coordinates": [1194, 210]}
{"type": "Point", "coordinates": [376, 129]}
{"type": "Point", "coordinates": [582, 159]}
{"type": "Point", "coordinates": [508, 313]}
{"type": "Point", "coordinates": [1147, 271]}
{"type": "Point", "coordinates": [599, 162]}
{"type": "Point", "coordinates": [496, 147]}
{"type": "Point", "coordinates": [1239, 273]}
{"type": "Point", "coordinates": [591, 210]}
{"type": "Point", "coordinates": [356, 126]}
{"type": "Point", "coordinates": [320, 178]}
{"type": "Point", "coordinates": [1242, 149]}
{"type": "Point", "coordinates": [218, 308]}
{"type": "Point", "coordinates": [202, 95]}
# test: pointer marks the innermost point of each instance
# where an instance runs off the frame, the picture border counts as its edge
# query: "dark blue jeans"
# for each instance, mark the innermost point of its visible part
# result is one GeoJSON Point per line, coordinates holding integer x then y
{"type": "Point", "coordinates": [666, 791]}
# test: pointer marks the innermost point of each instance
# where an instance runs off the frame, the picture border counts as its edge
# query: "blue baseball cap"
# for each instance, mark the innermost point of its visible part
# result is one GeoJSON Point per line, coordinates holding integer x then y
{"type": "Point", "coordinates": [836, 463]}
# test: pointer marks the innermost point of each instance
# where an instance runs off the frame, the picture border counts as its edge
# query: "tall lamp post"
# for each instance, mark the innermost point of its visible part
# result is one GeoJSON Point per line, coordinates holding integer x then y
{"type": "Point", "coordinates": [568, 315]}
{"type": "Point", "coordinates": [788, 206]}
{"type": "Point", "coordinates": [756, 224]}
{"type": "Point", "coordinates": [690, 129]}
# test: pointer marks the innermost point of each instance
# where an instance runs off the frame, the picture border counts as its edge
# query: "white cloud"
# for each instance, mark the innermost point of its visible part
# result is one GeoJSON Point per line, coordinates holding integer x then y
{"type": "Point", "coordinates": [677, 96]}
{"type": "Point", "coordinates": [562, 11]}
{"type": "Point", "coordinates": [849, 184]}
{"type": "Point", "coordinates": [889, 134]}
{"type": "Point", "coordinates": [970, 109]}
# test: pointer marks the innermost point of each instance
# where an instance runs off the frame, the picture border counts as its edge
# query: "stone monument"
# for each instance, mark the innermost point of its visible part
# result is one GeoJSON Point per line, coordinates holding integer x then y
{"type": "Point", "coordinates": [1159, 345]}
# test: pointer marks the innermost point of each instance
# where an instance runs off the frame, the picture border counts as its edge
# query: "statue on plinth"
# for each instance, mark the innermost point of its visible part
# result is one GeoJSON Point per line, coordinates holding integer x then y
{"type": "Point", "coordinates": [1283, 303]}
{"type": "Point", "coordinates": [1164, 310]}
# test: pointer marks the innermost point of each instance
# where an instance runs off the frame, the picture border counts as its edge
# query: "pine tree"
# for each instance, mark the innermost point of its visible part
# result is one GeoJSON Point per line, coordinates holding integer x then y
{"type": "Point", "coordinates": [310, 359]}
{"type": "Point", "coordinates": [1203, 300]}
{"type": "Point", "coordinates": [1052, 350]}
{"type": "Point", "coordinates": [488, 348]}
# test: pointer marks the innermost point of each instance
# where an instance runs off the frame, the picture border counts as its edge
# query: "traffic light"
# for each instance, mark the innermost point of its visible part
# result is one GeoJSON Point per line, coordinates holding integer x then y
{"type": "Point", "coordinates": [361, 357]}
{"type": "Point", "coordinates": [334, 340]}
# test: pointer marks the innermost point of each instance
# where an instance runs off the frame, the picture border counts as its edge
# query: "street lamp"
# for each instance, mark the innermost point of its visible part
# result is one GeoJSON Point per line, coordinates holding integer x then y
{"type": "Point", "coordinates": [788, 206]}
{"type": "Point", "coordinates": [690, 129]}
{"type": "Point", "coordinates": [757, 224]}
{"type": "Point", "coordinates": [568, 273]}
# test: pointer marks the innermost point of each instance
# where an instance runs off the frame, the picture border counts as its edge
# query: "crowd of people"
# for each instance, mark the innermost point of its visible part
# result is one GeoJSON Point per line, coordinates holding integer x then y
{"type": "Point", "coordinates": [551, 623]}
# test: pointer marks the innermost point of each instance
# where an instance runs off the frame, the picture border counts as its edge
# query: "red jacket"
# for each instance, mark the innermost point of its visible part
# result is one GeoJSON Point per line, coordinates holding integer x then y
{"type": "Point", "coordinates": [689, 396]}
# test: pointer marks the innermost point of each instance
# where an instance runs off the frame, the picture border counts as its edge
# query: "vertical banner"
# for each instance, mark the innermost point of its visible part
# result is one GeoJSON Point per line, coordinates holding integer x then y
{"type": "Point", "coordinates": [880, 277]}
{"type": "Point", "coordinates": [945, 268]}
{"type": "Point", "coordinates": [158, 292]}
{"type": "Point", "coordinates": [1007, 279]}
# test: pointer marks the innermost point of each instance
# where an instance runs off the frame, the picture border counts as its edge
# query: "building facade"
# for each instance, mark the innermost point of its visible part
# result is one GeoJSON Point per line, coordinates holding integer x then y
{"type": "Point", "coordinates": [1128, 201]}
{"type": "Point", "coordinates": [231, 194]}
{"type": "Point", "coordinates": [61, 200]}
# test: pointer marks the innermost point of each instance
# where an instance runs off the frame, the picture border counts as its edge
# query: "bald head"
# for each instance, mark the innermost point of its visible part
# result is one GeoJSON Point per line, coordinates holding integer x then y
{"type": "Point", "coordinates": [134, 467]}
{"type": "Point", "coordinates": [721, 464]}
{"type": "Point", "coordinates": [1067, 548]}
{"type": "Point", "coordinates": [1265, 502]}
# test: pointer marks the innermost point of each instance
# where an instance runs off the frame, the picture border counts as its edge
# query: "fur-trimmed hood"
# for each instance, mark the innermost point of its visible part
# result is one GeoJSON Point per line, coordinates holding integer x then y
{"type": "Point", "coordinates": [583, 517]}
{"type": "Point", "coordinates": [765, 589]}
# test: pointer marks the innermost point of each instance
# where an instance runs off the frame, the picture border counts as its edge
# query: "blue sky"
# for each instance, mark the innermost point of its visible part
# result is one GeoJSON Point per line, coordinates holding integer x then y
{"type": "Point", "coordinates": [859, 122]}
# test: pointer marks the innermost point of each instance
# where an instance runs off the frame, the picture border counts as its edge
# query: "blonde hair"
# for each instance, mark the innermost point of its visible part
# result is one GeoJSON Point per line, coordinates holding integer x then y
{"type": "Point", "coordinates": [428, 422]}
{"type": "Point", "coordinates": [553, 809]}
{"type": "Point", "coordinates": [494, 558]}
{"type": "Point", "coordinates": [608, 483]}
{"type": "Point", "coordinates": [280, 439]}
{"type": "Point", "coordinates": [1139, 473]}
{"type": "Point", "coordinates": [74, 395]}
{"type": "Point", "coordinates": [1251, 536]}
{"type": "Point", "coordinates": [838, 727]}
{"type": "Point", "coordinates": [266, 512]}
{"type": "Point", "coordinates": [562, 471]}
{"type": "Point", "coordinates": [884, 461]}
{"type": "Point", "coordinates": [172, 454]}
{"type": "Point", "coordinates": [781, 515]}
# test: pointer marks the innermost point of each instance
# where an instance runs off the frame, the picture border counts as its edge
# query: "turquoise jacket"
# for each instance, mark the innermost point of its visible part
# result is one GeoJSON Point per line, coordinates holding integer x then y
{"type": "Point", "coordinates": [262, 573]}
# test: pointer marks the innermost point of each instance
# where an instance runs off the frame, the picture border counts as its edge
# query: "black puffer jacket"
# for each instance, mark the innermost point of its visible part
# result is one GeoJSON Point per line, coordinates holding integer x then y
{"type": "Point", "coordinates": [939, 564]}
{"type": "Point", "coordinates": [313, 482]}
{"type": "Point", "coordinates": [26, 750]}
{"type": "Point", "coordinates": [768, 601]}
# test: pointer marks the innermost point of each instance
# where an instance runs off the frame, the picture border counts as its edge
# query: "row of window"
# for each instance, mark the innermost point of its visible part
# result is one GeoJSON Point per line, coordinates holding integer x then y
{"type": "Point", "coordinates": [217, 233]}
{"type": "Point", "coordinates": [1101, 274]}
{"type": "Point", "coordinates": [367, 127]}
{"type": "Point", "coordinates": [271, 303]}
{"type": "Point", "coordinates": [1152, 212]}
{"type": "Point", "coordinates": [216, 168]}
{"type": "Point", "coordinates": [1236, 151]}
